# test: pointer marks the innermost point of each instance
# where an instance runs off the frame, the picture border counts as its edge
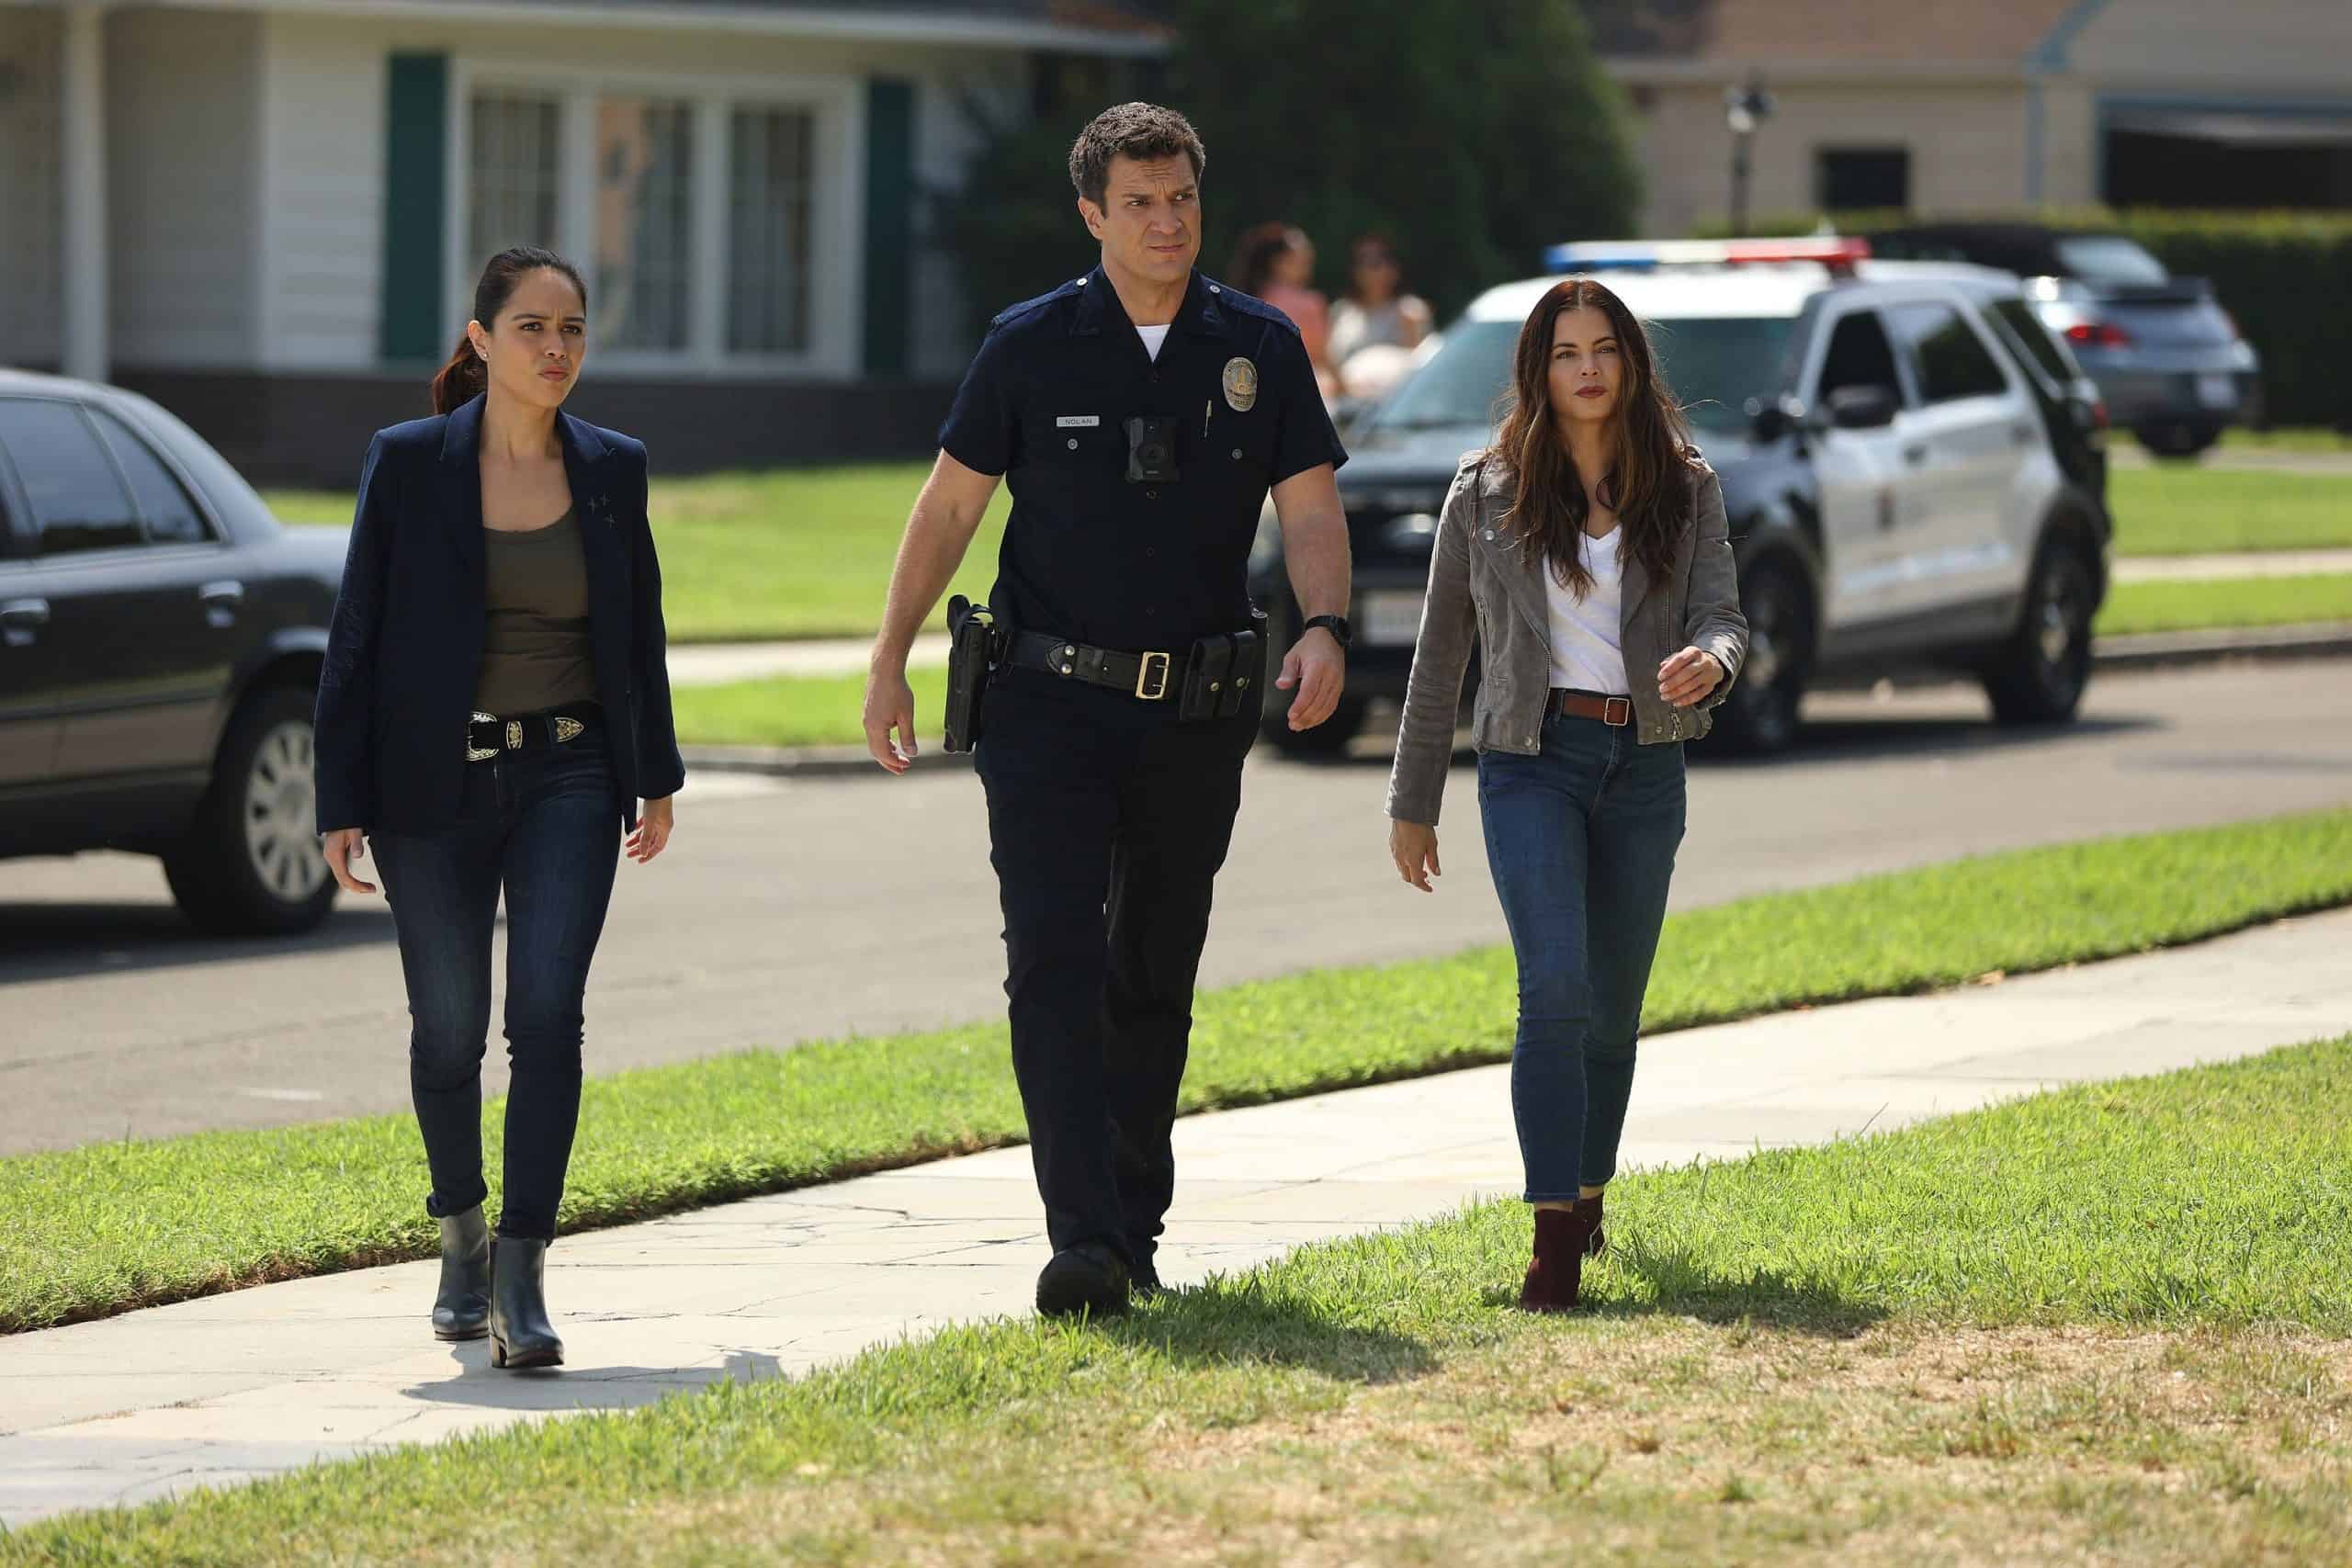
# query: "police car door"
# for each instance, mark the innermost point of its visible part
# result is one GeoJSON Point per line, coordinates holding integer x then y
{"type": "Point", "coordinates": [1865, 523]}
{"type": "Point", "coordinates": [1974, 433]}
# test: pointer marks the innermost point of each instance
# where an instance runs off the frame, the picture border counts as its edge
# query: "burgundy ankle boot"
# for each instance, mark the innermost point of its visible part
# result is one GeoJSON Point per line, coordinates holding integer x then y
{"type": "Point", "coordinates": [1563, 1236]}
{"type": "Point", "coordinates": [1589, 1210]}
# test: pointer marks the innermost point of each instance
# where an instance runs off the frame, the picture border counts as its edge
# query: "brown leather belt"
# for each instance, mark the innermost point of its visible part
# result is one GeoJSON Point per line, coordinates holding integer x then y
{"type": "Point", "coordinates": [1616, 711]}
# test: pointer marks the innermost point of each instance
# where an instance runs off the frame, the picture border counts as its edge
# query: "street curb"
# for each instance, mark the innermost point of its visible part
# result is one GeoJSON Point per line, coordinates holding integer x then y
{"type": "Point", "coordinates": [2151, 650]}
{"type": "Point", "coordinates": [2156, 650]}
{"type": "Point", "coordinates": [812, 761]}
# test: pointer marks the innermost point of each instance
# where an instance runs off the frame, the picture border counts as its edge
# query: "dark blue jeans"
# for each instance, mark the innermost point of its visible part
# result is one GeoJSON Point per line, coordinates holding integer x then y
{"type": "Point", "coordinates": [1580, 841]}
{"type": "Point", "coordinates": [546, 826]}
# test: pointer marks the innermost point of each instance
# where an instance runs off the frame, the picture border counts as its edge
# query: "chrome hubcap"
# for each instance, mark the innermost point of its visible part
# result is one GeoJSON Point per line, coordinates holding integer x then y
{"type": "Point", "coordinates": [280, 800]}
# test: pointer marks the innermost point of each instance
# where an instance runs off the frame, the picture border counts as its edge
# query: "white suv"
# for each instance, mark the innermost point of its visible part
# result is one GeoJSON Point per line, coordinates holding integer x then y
{"type": "Point", "coordinates": [1913, 468]}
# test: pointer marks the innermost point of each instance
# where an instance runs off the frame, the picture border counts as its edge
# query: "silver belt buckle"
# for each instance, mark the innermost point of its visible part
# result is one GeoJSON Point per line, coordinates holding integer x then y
{"type": "Point", "coordinates": [1617, 711]}
{"type": "Point", "coordinates": [483, 753]}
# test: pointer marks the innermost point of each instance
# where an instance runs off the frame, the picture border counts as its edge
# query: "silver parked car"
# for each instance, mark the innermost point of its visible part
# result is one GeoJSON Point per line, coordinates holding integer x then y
{"type": "Point", "coordinates": [2169, 361]}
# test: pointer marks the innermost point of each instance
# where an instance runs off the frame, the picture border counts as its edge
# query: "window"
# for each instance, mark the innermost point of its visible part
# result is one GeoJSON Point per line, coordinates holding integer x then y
{"type": "Point", "coordinates": [77, 499]}
{"type": "Point", "coordinates": [514, 142]}
{"type": "Point", "coordinates": [1952, 359]}
{"type": "Point", "coordinates": [172, 517]}
{"type": "Point", "coordinates": [713, 217]}
{"type": "Point", "coordinates": [1859, 179]}
{"type": "Point", "coordinates": [2019, 317]}
{"type": "Point", "coordinates": [2109, 258]}
{"type": "Point", "coordinates": [644, 180]}
{"type": "Point", "coordinates": [770, 201]}
{"type": "Point", "coordinates": [1858, 355]}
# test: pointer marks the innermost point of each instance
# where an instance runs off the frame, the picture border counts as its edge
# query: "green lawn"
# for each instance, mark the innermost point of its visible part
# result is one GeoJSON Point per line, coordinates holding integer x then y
{"type": "Point", "coordinates": [2105, 1326]}
{"type": "Point", "coordinates": [798, 710]}
{"type": "Point", "coordinates": [108, 1227]}
{"type": "Point", "coordinates": [2236, 602]}
{"type": "Point", "coordinates": [785, 553]}
{"type": "Point", "coordinates": [2176, 511]}
{"type": "Point", "coordinates": [807, 552]}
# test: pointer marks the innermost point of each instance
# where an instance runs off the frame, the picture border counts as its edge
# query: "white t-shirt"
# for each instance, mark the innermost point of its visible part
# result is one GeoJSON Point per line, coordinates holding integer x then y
{"type": "Point", "coordinates": [1587, 635]}
{"type": "Point", "coordinates": [1152, 338]}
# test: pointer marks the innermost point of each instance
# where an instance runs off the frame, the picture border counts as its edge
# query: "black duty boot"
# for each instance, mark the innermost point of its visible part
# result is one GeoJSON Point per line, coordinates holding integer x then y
{"type": "Point", "coordinates": [461, 1308]}
{"type": "Point", "coordinates": [520, 1333]}
{"type": "Point", "coordinates": [1086, 1279]}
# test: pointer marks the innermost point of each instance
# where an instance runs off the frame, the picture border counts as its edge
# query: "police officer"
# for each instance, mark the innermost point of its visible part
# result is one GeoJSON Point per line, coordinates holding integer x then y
{"type": "Point", "coordinates": [1140, 413]}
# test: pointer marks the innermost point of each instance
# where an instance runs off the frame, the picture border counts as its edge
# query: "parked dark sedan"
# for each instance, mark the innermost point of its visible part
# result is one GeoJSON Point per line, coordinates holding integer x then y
{"type": "Point", "coordinates": [2170, 363]}
{"type": "Point", "coordinates": [160, 640]}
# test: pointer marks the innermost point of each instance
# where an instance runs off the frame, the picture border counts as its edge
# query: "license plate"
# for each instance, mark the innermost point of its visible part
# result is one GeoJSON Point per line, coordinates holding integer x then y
{"type": "Point", "coordinates": [2217, 389]}
{"type": "Point", "coordinates": [1391, 620]}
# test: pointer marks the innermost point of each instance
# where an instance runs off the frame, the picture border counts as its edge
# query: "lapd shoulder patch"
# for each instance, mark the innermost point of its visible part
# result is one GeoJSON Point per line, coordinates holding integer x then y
{"type": "Point", "coordinates": [1240, 385]}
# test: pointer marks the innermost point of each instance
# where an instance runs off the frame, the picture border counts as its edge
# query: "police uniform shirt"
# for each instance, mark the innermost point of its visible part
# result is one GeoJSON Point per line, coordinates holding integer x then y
{"type": "Point", "coordinates": [1088, 554]}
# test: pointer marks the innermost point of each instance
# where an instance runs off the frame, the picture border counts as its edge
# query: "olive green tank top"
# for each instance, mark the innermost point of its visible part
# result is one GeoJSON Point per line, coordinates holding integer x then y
{"type": "Point", "coordinates": [537, 654]}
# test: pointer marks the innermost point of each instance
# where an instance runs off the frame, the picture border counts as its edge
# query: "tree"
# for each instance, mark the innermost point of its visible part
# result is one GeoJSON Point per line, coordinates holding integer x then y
{"type": "Point", "coordinates": [1474, 133]}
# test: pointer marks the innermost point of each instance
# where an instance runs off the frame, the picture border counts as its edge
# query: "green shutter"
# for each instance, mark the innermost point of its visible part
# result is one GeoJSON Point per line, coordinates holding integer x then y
{"type": "Point", "coordinates": [889, 223]}
{"type": "Point", "coordinates": [417, 134]}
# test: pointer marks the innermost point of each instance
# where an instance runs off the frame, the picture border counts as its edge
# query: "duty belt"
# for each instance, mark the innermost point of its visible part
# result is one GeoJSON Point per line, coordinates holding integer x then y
{"type": "Point", "coordinates": [1147, 676]}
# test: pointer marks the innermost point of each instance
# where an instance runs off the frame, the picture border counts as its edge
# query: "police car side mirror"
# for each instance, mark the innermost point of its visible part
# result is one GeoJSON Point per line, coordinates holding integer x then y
{"type": "Point", "coordinates": [1863, 408]}
{"type": "Point", "coordinates": [1770, 419]}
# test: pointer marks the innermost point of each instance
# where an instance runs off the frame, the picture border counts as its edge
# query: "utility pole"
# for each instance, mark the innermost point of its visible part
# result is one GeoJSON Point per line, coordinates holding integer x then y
{"type": "Point", "coordinates": [1745, 108]}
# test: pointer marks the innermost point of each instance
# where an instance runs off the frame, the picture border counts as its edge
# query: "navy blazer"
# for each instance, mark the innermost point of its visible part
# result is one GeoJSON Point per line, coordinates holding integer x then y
{"type": "Point", "coordinates": [404, 649]}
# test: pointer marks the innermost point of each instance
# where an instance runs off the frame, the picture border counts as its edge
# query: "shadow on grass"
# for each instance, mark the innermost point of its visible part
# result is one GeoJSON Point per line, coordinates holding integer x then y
{"type": "Point", "coordinates": [1678, 1282]}
{"type": "Point", "coordinates": [1241, 1323]}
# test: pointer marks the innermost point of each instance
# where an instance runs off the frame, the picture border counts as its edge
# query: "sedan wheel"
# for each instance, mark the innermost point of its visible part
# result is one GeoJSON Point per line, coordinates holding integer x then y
{"type": "Point", "coordinates": [250, 862]}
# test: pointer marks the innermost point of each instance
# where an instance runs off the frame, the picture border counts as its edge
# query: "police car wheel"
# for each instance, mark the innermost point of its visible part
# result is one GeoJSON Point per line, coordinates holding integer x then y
{"type": "Point", "coordinates": [1761, 714]}
{"type": "Point", "coordinates": [2042, 675]}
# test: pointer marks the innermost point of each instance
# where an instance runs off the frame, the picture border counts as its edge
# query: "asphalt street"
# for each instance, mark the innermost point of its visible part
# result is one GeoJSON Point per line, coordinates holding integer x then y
{"type": "Point", "coordinates": [805, 908]}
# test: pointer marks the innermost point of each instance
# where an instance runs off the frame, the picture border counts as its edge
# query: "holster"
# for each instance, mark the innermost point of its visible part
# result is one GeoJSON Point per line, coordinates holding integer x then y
{"type": "Point", "coordinates": [1223, 673]}
{"type": "Point", "coordinates": [971, 657]}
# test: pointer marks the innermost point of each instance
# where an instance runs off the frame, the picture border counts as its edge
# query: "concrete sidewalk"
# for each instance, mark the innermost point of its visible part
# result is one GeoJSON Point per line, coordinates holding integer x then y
{"type": "Point", "coordinates": [714, 663]}
{"type": "Point", "coordinates": [263, 1381]}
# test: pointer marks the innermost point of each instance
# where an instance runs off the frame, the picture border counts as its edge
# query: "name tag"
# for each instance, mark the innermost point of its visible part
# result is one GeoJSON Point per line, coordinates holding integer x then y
{"type": "Point", "coordinates": [1079, 422]}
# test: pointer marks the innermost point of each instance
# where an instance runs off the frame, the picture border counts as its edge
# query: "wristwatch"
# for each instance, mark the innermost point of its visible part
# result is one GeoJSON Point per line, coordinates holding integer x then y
{"type": "Point", "coordinates": [1336, 625]}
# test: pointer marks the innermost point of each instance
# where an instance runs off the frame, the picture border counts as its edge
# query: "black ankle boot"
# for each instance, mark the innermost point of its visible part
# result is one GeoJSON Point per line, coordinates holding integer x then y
{"type": "Point", "coordinates": [520, 1333]}
{"type": "Point", "coordinates": [461, 1308]}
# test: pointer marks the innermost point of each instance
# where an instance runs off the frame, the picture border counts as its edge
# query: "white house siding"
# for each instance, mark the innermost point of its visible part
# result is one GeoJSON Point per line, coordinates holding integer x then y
{"type": "Point", "coordinates": [2257, 48]}
{"type": "Point", "coordinates": [31, 71]}
{"type": "Point", "coordinates": [1967, 143]}
{"type": "Point", "coordinates": [325, 158]}
{"type": "Point", "coordinates": [183, 139]}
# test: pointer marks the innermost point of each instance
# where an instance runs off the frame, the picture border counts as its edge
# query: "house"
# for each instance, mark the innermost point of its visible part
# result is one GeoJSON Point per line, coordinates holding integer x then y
{"type": "Point", "coordinates": [269, 214]}
{"type": "Point", "coordinates": [1989, 107]}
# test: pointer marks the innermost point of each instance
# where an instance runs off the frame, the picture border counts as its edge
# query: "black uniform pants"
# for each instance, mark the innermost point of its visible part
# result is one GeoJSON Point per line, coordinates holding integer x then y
{"type": "Point", "coordinates": [1107, 823]}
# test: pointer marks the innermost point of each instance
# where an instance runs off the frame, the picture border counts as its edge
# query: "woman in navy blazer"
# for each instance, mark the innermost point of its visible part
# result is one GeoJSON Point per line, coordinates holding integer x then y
{"type": "Point", "coordinates": [494, 704]}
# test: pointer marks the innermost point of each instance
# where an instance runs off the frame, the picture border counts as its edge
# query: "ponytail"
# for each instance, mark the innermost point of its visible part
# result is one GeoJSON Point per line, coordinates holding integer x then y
{"type": "Point", "coordinates": [465, 376]}
{"type": "Point", "coordinates": [463, 379]}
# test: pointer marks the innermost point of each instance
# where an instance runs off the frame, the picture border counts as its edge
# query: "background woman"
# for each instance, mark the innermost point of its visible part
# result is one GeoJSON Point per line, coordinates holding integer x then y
{"type": "Point", "coordinates": [1376, 314]}
{"type": "Point", "coordinates": [1586, 551]}
{"type": "Point", "coordinates": [1275, 262]}
{"type": "Point", "coordinates": [494, 704]}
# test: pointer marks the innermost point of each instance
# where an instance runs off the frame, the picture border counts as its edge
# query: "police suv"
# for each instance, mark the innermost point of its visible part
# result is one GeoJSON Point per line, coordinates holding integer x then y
{"type": "Point", "coordinates": [1915, 470]}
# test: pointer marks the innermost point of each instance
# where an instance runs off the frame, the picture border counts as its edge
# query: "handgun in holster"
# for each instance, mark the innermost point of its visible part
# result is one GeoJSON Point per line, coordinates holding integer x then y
{"type": "Point", "coordinates": [971, 659]}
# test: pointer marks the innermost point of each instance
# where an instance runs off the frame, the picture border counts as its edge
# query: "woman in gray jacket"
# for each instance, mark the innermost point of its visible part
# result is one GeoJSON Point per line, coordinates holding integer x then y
{"type": "Point", "coordinates": [1588, 552]}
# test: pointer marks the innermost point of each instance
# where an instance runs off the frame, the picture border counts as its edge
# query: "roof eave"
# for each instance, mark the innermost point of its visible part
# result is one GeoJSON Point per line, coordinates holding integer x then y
{"type": "Point", "coordinates": [878, 24]}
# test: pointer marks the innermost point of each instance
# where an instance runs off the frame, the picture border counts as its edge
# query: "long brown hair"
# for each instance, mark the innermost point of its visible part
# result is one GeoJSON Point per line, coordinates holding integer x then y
{"type": "Point", "coordinates": [465, 377]}
{"type": "Point", "coordinates": [1648, 481]}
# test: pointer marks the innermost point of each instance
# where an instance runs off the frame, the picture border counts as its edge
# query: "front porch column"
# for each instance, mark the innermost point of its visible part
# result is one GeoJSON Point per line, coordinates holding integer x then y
{"type": "Point", "coordinates": [83, 192]}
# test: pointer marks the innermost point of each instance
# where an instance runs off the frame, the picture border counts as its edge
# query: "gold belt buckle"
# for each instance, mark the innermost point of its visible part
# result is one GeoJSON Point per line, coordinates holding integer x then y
{"type": "Point", "coordinates": [478, 753]}
{"type": "Point", "coordinates": [1144, 678]}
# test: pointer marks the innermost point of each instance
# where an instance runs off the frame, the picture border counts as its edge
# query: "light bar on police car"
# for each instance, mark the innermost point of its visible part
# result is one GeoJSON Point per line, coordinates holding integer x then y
{"type": "Point", "coordinates": [1837, 252]}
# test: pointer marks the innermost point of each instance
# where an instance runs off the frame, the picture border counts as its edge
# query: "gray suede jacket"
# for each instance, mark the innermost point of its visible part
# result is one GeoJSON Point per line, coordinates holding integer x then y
{"type": "Point", "coordinates": [1480, 582]}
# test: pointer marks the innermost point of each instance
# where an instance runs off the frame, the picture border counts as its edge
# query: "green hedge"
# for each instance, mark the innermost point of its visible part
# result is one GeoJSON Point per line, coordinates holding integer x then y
{"type": "Point", "coordinates": [2282, 275]}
